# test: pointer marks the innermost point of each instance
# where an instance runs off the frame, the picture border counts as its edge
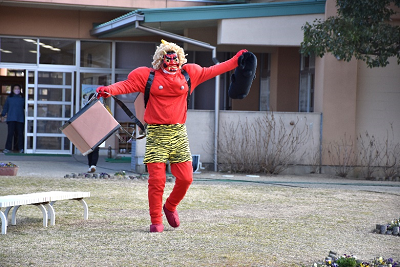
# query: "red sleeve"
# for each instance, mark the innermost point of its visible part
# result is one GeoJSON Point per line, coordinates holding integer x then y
{"type": "Point", "coordinates": [136, 82]}
{"type": "Point", "coordinates": [200, 74]}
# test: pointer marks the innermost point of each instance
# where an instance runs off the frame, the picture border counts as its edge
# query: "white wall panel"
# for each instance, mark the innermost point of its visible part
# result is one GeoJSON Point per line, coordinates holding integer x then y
{"type": "Point", "coordinates": [276, 31]}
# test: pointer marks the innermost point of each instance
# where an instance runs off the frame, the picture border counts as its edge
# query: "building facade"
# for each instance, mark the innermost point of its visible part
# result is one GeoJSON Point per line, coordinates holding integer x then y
{"type": "Point", "coordinates": [60, 50]}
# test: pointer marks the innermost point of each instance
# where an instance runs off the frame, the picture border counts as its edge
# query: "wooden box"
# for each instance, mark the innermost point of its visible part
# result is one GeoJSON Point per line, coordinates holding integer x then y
{"type": "Point", "coordinates": [90, 127]}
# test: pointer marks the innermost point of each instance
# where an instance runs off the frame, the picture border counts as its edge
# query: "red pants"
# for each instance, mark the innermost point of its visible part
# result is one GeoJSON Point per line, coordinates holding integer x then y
{"type": "Point", "coordinates": [183, 172]}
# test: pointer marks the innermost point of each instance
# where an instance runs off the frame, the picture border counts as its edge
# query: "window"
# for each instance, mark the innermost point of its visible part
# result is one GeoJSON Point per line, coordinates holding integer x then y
{"type": "Point", "coordinates": [264, 81]}
{"type": "Point", "coordinates": [96, 54]}
{"type": "Point", "coordinates": [59, 52]}
{"type": "Point", "coordinates": [18, 50]}
{"type": "Point", "coordinates": [133, 55]}
{"type": "Point", "coordinates": [306, 90]}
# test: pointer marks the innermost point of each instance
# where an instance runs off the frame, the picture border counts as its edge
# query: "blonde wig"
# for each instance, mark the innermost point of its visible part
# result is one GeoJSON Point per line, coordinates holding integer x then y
{"type": "Point", "coordinates": [163, 49]}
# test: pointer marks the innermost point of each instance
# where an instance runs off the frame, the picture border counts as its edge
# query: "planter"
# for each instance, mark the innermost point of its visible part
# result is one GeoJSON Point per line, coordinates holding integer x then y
{"type": "Point", "coordinates": [8, 171]}
{"type": "Point", "coordinates": [383, 229]}
{"type": "Point", "coordinates": [396, 230]}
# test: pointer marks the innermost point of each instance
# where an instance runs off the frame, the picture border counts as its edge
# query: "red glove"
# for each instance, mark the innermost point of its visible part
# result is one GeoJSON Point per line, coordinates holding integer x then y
{"type": "Point", "coordinates": [103, 91]}
{"type": "Point", "coordinates": [238, 54]}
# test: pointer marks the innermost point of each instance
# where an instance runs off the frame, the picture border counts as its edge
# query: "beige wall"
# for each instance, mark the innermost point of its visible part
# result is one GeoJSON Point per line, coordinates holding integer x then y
{"type": "Point", "coordinates": [355, 99]}
{"type": "Point", "coordinates": [378, 100]}
{"type": "Point", "coordinates": [336, 96]}
{"type": "Point", "coordinates": [206, 35]}
{"type": "Point", "coordinates": [284, 82]}
{"type": "Point", "coordinates": [288, 77]}
{"type": "Point", "coordinates": [50, 22]}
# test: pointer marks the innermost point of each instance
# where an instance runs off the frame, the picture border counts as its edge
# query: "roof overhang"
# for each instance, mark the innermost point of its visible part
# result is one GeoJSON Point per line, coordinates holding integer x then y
{"type": "Point", "coordinates": [176, 20]}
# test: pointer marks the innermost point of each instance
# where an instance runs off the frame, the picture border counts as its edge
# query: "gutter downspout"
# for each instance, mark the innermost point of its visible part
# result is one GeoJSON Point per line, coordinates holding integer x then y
{"type": "Point", "coordinates": [320, 142]}
{"type": "Point", "coordinates": [217, 78]}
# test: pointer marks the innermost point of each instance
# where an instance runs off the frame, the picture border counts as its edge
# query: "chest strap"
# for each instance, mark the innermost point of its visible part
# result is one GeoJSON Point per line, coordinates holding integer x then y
{"type": "Point", "coordinates": [150, 82]}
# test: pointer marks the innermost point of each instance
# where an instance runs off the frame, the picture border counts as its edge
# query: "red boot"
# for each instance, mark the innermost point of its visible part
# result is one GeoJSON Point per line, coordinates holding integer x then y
{"type": "Point", "coordinates": [156, 228]}
{"type": "Point", "coordinates": [183, 173]}
{"type": "Point", "coordinates": [172, 217]}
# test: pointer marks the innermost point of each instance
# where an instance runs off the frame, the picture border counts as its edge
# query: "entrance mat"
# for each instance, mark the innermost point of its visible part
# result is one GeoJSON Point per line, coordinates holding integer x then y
{"type": "Point", "coordinates": [32, 154]}
{"type": "Point", "coordinates": [119, 160]}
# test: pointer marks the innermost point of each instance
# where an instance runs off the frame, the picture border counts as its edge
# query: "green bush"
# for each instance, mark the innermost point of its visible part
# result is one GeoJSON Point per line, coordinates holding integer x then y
{"type": "Point", "coordinates": [346, 262]}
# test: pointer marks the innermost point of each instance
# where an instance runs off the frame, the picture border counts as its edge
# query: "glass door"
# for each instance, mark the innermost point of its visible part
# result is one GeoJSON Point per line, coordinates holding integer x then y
{"type": "Point", "coordinates": [49, 105]}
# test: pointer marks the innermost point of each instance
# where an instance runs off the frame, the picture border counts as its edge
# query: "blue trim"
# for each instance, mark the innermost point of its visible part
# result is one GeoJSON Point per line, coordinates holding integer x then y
{"type": "Point", "coordinates": [118, 24]}
{"type": "Point", "coordinates": [234, 11]}
{"type": "Point", "coordinates": [216, 12]}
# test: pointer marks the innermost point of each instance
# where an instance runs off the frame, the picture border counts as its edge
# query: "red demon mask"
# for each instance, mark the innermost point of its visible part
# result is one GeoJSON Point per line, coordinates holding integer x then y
{"type": "Point", "coordinates": [171, 62]}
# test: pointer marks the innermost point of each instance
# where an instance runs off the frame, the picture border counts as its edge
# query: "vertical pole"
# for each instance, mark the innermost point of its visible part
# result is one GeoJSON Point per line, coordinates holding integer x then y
{"type": "Point", "coordinates": [320, 144]}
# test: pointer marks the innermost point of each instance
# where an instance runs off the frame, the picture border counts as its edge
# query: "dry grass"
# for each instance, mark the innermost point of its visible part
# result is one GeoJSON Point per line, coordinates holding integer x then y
{"type": "Point", "coordinates": [222, 224]}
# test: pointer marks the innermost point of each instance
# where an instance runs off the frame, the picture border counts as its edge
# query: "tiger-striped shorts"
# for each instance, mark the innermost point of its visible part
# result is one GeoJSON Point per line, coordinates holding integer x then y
{"type": "Point", "coordinates": [167, 142]}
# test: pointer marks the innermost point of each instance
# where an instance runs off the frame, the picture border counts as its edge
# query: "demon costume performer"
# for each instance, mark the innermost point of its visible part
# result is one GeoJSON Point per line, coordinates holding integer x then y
{"type": "Point", "coordinates": [165, 116]}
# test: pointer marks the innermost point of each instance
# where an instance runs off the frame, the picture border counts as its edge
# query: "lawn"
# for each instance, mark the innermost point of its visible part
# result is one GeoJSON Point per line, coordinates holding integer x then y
{"type": "Point", "coordinates": [222, 224]}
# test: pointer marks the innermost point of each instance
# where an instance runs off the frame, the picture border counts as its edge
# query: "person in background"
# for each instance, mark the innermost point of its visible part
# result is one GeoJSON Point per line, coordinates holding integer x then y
{"type": "Point", "coordinates": [14, 108]}
{"type": "Point", "coordinates": [92, 159]}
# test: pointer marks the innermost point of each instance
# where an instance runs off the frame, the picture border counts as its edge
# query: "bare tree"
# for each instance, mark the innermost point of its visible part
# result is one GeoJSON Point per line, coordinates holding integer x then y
{"type": "Point", "coordinates": [342, 156]}
{"type": "Point", "coordinates": [368, 154]}
{"type": "Point", "coordinates": [379, 155]}
{"type": "Point", "coordinates": [261, 145]}
{"type": "Point", "coordinates": [389, 158]}
{"type": "Point", "coordinates": [315, 160]}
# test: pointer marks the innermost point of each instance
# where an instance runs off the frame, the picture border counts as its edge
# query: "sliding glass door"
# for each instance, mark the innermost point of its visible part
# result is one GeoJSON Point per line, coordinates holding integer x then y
{"type": "Point", "coordinates": [49, 104]}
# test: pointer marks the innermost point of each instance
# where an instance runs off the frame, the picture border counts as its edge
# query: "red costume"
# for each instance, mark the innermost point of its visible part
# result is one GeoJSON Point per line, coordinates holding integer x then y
{"type": "Point", "coordinates": [167, 105]}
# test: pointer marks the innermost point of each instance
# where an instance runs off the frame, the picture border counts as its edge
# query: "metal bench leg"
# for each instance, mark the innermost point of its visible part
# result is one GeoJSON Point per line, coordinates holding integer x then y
{"type": "Point", "coordinates": [3, 223]}
{"type": "Point", "coordinates": [44, 211]}
{"type": "Point", "coordinates": [85, 209]}
{"type": "Point", "coordinates": [14, 213]}
{"type": "Point", "coordinates": [40, 206]}
{"type": "Point", "coordinates": [51, 213]}
{"type": "Point", "coordinates": [7, 211]}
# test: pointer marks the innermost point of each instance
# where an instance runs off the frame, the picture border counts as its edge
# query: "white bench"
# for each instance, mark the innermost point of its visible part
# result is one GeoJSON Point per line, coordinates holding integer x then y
{"type": "Point", "coordinates": [43, 200]}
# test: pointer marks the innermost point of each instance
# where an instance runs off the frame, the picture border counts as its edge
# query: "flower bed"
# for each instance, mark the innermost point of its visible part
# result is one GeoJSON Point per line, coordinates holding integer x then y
{"type": "Point", "coordinates": [391, 228]}
{"type": "Point", "coordinates": [351, 261]}
{"type": "Point", "coordinates": [8, 169]}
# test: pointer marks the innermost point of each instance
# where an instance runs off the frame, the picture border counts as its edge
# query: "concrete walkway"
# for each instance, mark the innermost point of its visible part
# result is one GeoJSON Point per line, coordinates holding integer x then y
{"type": "Point", "coordinates": [59, 166]}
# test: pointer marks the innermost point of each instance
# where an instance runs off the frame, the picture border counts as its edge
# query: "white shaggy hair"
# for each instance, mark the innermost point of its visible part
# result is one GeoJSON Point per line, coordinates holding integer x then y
{"type": "Point", "coordinates": [163, 49]}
